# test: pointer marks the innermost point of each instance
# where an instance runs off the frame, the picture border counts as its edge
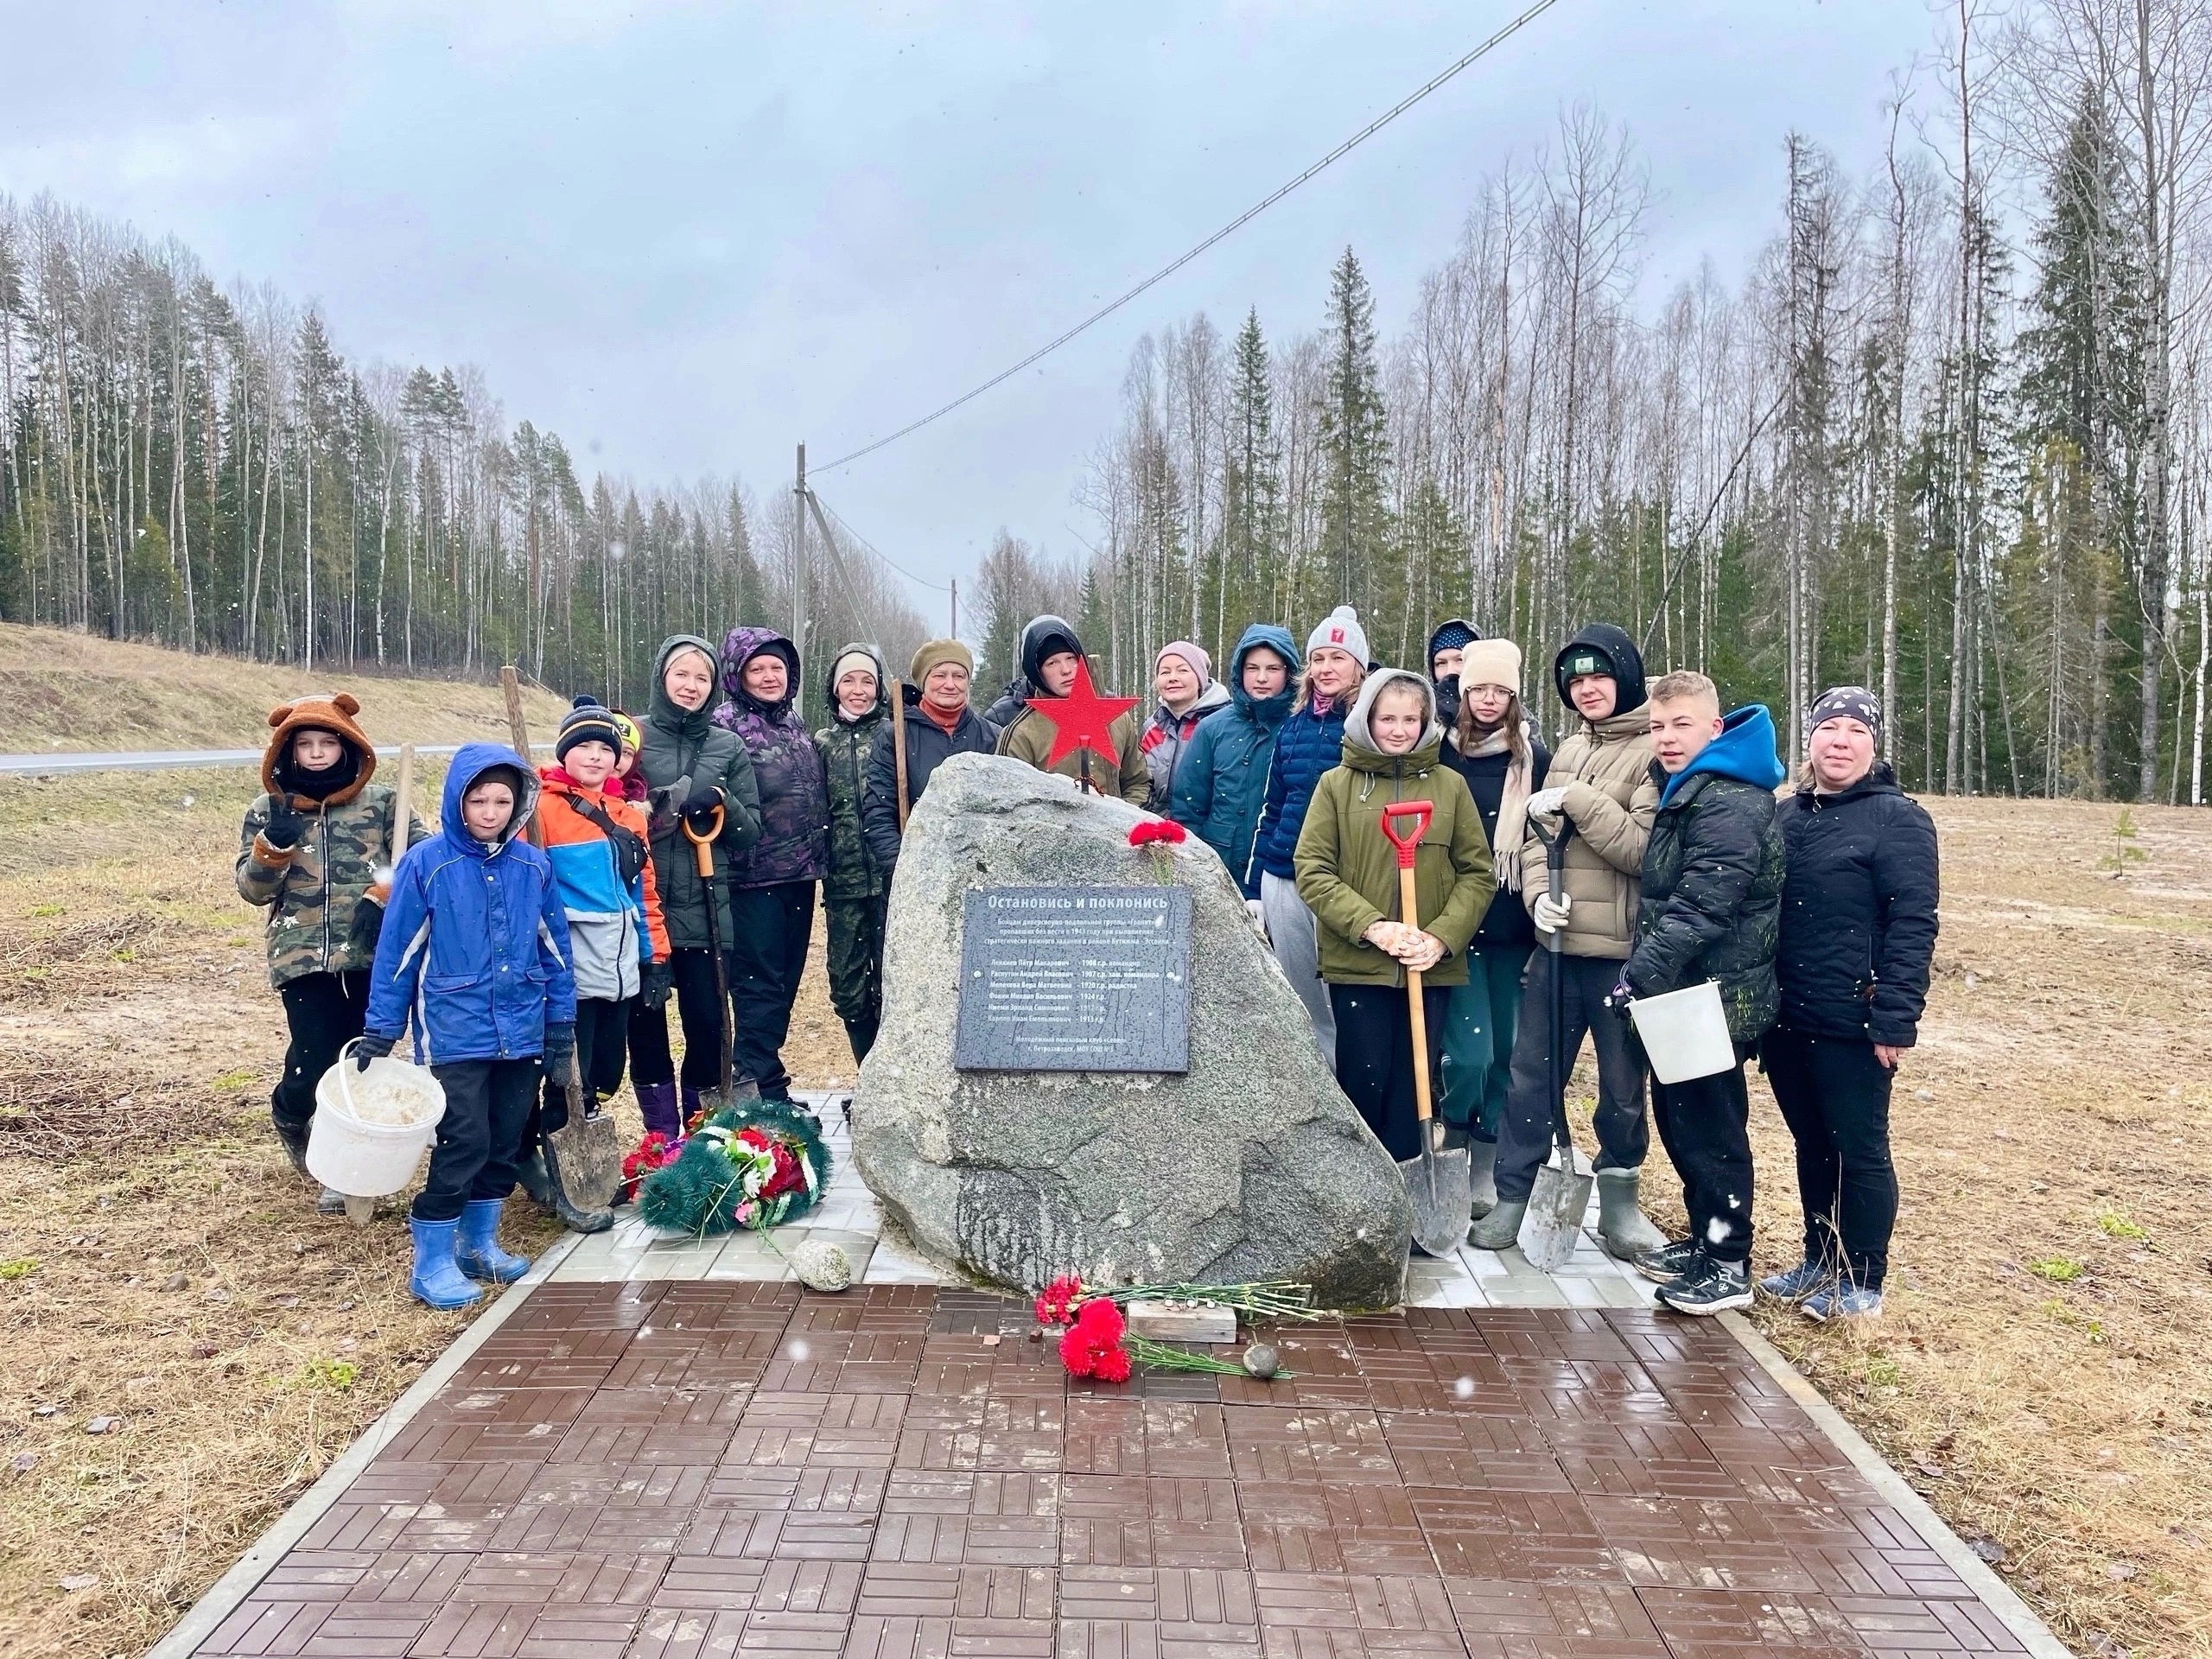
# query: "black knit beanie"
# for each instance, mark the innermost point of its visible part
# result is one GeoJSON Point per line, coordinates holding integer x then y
{"type": "Point", "coordinates": [588, 720]}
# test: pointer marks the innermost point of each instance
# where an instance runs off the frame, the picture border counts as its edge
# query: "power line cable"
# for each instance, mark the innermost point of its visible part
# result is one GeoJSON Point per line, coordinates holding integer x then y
{"type": "Point", "coordinates": [1236, 224]}
{"type": "Point", "coordinates": [920, 582]}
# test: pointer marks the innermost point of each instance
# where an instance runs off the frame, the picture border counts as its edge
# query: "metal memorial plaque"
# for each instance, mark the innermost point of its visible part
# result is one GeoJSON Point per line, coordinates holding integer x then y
{"type": "Point", "coordinates": [1075, 979]}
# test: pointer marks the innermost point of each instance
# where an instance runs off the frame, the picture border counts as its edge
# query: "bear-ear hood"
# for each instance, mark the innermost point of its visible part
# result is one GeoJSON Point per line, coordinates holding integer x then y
{"type": "Point", "coordinates": [472, 762]}
{"type": "Point", "coordinates": [336, 715]}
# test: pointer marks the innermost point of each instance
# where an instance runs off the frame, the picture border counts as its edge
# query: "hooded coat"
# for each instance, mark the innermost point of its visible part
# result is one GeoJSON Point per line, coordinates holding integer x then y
{"type": "Point", "coordinates": [313, 888]}
{"type": "Point", "coordinates": [1447, 691]}
{"type": "Point", "coordinates": [475, 954]}
{"type": "Point", "coordinates": [1348, 868]}
{"type": "Point", "coordinates": [1221, 781]}
{"type": "Point", "coordinates": [1027, 737]}
{"type": "Point", "coordinates": [1168, 736]}
{"type": "Point", "coordinates": [1309, 744]}
{"type": "Point", "coordinates": [1859, 912]}
{"type": "Point", "coordinates": [794, 843]}
{"type": "Point", "coordinates": [844, 746]}
{"type": "Point", "coordinates": [682, 743]}
{"type": "Point", "coordinates": [1713, 874]}
{"type": "Point", "coordinates": [1606, 768]}
{"type": "Point", "coordinates": [615, 925]}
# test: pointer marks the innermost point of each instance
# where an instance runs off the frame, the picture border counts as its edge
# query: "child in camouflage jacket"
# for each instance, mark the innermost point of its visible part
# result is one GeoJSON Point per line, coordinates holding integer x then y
{"type": "Point", "coordinates": [316, 848]}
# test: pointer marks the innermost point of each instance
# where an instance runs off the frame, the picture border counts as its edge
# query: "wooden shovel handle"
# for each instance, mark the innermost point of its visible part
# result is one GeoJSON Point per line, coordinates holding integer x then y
{"type": "Point", "coordinates": [702, 845]}
{"type": "Point", "coordinates": [1409, 907]}
{"type": "Point", "coordinates": [899, 746]}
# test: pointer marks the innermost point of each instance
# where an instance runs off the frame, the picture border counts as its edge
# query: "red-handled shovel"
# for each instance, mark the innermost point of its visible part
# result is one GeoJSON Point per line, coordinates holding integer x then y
{"type": "Point", "coordinates": [1437, 1181]}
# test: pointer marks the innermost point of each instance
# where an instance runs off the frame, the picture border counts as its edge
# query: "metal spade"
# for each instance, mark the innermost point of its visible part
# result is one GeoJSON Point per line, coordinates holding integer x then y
{"type": "Point", "coordinates": [1437, 1181]}
{"type": "Point", "coordinates": [1560, 1197]}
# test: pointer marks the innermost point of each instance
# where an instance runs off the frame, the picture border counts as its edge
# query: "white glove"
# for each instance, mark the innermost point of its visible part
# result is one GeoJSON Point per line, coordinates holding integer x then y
{"type": "Point", "coordinates": [1259, 915]}
{"type": "Point", "coordinates": [1548, 803]}
{"type": "Point", "coordinates": [1550, 914]}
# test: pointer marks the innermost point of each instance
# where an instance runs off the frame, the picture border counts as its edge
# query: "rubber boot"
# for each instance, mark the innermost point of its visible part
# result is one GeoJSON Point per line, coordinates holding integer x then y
{"type": "Point", "coordinates": [536, 1183]}
{"type": "Point", "coordinates": [570, 1214]}
{"type": "Point", "coordinates": [295, 1137]}
{"type": "Point", "coordinates": [477, 1247]}
{"type": "Point", "coordinates": [330, 1202]}
{"type": "Point", "coordinates": [1482, 1177]}
{"type": "Point", "coordinates": [657, 1105]}
{"type": "Point", "coordinates": [1501, 1229]}
{"type": "Point", "coordinates": [437, 1281]}
{"type": "Point", "coordinates": [692, 1104]}
{"type": "Point", "coordinates": [1622, 1227]}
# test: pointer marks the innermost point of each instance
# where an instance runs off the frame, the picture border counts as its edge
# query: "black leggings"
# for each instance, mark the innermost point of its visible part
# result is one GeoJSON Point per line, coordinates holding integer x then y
{"type": "Point", "coordinates": [1375, 1056]}
{"type": "Point", "coordinates": [324, 1012]}
{"type": "Point", "coordinates": [1834, 1095]}
{"type": "Point", "coordinates": [602, 1036]}
{"type": "Point", "coordinates": [698, 1006]}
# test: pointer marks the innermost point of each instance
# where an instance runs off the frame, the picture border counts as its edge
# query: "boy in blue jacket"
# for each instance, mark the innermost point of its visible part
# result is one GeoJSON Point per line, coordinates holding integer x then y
{"type": "Point", "coordinates": [474, 955]}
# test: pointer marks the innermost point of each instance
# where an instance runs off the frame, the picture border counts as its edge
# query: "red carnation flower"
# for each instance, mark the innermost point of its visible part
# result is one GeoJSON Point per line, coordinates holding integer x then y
{"type": "Point", "coordinates": [1112, 1366]}
{"type": "Point", "coordinates": [1165, 830]}
{"type": "Point", "coordinates": [1078, 1354]}
{"type": "Point", "coordinates": [1056, 1302]}
{"type": "Point", "coordinates": [1101, 1321]}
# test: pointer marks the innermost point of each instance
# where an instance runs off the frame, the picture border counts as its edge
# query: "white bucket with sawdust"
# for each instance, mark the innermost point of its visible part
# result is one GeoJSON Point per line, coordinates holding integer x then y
{"type": "Point", "coordinates": [1685, 1032]}
{"type": "Point", "coordinates": [371, 1128]}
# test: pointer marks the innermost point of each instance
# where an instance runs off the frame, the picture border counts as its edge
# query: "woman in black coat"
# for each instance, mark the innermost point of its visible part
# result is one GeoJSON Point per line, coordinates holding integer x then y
{"type": "Point", "coordinates": [1858, 933]}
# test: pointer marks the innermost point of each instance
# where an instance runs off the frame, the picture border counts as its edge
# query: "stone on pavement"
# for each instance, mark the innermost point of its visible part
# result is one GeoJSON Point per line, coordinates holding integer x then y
{"type": "Point", "coordinates": [1252, 1166]}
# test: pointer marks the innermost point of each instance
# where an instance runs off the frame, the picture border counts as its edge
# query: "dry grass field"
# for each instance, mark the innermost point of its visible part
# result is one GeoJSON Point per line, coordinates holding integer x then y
{"type": "Point", "coordinates": [2044, 1372]}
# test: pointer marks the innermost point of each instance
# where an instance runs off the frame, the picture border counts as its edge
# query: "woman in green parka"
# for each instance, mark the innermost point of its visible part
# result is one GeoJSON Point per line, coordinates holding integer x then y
{"type": "Point", "coordinates": [1348, 876]}
{"type": "Point", "coordinates": [684, 747]}
{"type": "Point", "coordinates": [856, 890]}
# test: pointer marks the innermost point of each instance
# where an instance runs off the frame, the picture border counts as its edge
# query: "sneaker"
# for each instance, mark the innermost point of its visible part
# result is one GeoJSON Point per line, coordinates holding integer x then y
{"type": "Point", "coordinates": [1669, 1262]}
{"type": "Point", "coordinates": [1712, 1287]}
{"type": "Point", "coordinates": [1841, 1301]}
{"type": "Point", "coordinates": [1799, 1282]}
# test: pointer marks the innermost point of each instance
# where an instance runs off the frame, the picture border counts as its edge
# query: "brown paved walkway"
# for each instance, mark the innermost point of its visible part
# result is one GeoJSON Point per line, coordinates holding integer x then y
{"type": "Point", "coordinates": [690, 1469]}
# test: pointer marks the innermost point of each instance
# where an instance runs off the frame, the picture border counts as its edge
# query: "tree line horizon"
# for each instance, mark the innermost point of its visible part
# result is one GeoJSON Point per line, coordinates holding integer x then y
{"type": "Point", "coordinates": [1946, 439]}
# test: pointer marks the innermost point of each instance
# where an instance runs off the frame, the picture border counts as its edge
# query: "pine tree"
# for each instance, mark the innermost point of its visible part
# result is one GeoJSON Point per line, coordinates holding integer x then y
{"type": "Point", "coordinates": [1252, 482]}
{"type": "Point", "coordinates": [1355, 442]}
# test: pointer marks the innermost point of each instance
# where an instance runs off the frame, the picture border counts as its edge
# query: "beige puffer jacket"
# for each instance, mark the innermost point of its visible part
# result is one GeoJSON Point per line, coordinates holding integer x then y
{"type": "Point", "coordinates": [1605, 769]}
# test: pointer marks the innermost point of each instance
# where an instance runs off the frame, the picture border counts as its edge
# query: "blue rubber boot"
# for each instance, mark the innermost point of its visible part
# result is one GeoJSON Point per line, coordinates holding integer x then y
{"type": "Point", "coordinates": [478, 1250]}
{"type": "Point", "coordinates": [436, 1281]}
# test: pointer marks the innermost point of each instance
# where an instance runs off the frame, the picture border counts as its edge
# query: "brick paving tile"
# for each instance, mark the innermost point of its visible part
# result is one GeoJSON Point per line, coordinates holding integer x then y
{"type": "Point", "coordinates": [674, 1470]}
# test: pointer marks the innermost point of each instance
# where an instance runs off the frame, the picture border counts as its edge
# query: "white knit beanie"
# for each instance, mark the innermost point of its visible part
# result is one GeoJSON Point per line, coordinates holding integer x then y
{"type": "Point", "coordinates": [1341, 629]}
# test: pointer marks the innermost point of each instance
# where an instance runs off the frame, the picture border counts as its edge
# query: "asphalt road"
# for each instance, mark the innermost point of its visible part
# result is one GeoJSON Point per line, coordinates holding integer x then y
{"type": "Point", "coordinates": [48, 765]}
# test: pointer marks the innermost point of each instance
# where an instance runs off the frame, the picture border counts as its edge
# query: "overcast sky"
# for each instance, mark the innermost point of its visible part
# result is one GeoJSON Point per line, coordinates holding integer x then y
{"type": "Point", "coordinates": [686, 236]}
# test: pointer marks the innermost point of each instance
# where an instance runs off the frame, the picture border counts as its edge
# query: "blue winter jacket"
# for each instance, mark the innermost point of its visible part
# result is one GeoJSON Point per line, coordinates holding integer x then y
{"type": "Point", "coordinates": [475, 950]}
{"type": "Point", "coordinates": [1308, 744]}
{"type": "Point", "coordinates": [1220, 782]}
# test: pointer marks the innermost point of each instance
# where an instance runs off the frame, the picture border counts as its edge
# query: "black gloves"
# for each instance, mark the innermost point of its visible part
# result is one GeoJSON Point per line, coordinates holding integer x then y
{"type": "Point", "coordinates": [655, 982]}
{"type": "Point", "coordinates": [285, 825]}
{"type": "Point", "coordinates": [559, 1051]}
{"type": "Point", "coordinates": [699, 810]}
{"type": "Point", "coordinates": [371, 1046]}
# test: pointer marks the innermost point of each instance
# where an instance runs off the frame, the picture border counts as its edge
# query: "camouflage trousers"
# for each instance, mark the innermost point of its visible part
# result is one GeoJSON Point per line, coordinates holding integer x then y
{"type": "Point", "coordinates": [856, 966]}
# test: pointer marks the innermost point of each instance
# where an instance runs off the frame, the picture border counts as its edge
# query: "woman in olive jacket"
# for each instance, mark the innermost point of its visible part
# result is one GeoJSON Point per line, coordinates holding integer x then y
{"type": "Point", "coordinates": [687, 753]}
{"type": "Point", "coordinates": [1858, 923]}
{"type": "Point", "coordinates": [1348, 876]}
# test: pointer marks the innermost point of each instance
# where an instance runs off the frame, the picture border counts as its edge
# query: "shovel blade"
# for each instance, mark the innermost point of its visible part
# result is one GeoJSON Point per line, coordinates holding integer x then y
{"type": "Point", "coordinates": [1557, 1203]}
{"type": "Point", "coordinates": [1437, 1183]}
{"type": "Point", "coordinates": [588, 1152]}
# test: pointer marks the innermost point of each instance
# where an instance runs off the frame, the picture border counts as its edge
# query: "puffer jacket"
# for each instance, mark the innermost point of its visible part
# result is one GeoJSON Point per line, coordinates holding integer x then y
{"type": "Point", "coordinates": [1712, 900]}
{"type": "Point", "coordinates": [685, 743]}
{"type": "Point", "coordinates": [475, 954]}
{"type": "Point", "coordinates": [313, 889]}
{"type": "Point", "coordinates": [1166, 738]}
{"type": "Point", "coordinates": [1606, 770]}
{"type": "Point", "coordinates": [844, 745]}
{"type": "Point", "coordinates": [1859, 912]}
{"type": "Point", "coordinates": [615, 925]}
{"type": "Point", "coordinates": [794, 843]}
{"type": "Point", "coordinates": [1309, 744]}
{"type": "Point", "coordinates": [1028, 737]}
{"type": "Point", "coordinates": [929, 746]}
{"type": "Point", "coordinates": [1220, 782]}
{"type": "Point", "coordinates": [1348, 869]}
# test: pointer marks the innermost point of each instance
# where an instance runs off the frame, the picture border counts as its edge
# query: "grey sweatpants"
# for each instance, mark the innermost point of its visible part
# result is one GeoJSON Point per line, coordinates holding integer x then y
{"type": "Point", "coordinates": [1290, 931]}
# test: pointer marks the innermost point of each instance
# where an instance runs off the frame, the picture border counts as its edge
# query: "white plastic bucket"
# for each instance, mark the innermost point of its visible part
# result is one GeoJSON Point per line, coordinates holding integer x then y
{"type": "Point", "coordinates": [1685, 1032]}
{"type": "Point", "coordinates": [364, 1159]}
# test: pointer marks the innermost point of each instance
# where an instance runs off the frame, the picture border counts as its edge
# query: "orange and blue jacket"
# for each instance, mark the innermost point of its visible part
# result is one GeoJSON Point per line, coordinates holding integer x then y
{"type": "Point", "coordinates": [614, 927]}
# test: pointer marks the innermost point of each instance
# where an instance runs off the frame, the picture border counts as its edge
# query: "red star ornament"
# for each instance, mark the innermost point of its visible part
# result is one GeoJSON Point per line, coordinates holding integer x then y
{"type": "Point", "coordinates": [1083, 719]}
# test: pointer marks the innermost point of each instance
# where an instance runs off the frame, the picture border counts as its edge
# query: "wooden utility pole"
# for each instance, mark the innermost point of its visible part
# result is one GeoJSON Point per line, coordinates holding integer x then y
{"type": "Point", "coordinates": [798, 574]}
{"type": "Point", "coordinates": [955, 635]}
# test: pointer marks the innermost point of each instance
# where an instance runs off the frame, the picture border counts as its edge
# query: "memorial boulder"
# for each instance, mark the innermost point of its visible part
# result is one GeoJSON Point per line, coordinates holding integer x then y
{"type": "Point", "coordinates": [1090, 1062]}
